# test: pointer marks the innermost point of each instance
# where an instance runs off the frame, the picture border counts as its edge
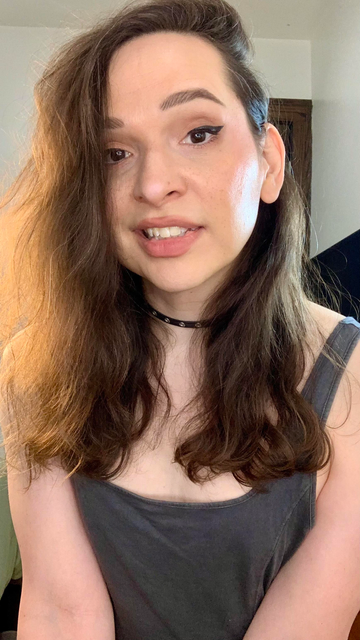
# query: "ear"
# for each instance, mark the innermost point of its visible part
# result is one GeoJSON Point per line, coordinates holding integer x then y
{"type": "Point", "coordinates": [273, 157]}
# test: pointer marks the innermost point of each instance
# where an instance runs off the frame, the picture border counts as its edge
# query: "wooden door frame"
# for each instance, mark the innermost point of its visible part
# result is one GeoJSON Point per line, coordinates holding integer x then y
{"type": "Point", "coordinates": [293, 117]}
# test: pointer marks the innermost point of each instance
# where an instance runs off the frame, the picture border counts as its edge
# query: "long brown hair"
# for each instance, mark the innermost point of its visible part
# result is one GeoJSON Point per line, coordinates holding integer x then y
{"type": "Point", "coordinates": [81, 366]}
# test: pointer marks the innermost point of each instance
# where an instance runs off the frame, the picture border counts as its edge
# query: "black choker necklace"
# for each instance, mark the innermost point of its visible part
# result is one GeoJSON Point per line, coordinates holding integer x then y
{"type": "Point", "coordinates": [177, 323]}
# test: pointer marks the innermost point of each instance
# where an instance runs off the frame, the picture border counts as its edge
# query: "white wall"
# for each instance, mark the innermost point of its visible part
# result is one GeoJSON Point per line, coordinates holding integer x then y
{"type": "Point", "coordinates": [286, 66]}
{"type": "Point", "coordinates": [336, 123]}
{"type": "Point", "coordinates": [23, 54]}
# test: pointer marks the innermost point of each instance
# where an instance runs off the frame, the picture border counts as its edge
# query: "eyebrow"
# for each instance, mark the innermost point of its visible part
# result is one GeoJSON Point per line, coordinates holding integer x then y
{"type": "Point", "coordinates": [180, 97]}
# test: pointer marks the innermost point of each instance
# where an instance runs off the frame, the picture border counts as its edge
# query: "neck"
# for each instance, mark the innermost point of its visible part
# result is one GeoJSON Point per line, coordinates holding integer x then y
{"type": "Point", "coordinates": [175, 322]}
{"type": "Point", "coordinates": [175, 339]}
{"type": "Point", "coordinates": [183, 305]}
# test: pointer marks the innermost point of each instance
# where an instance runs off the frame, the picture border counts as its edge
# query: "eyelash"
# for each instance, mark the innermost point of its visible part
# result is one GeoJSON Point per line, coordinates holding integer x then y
{"type": "Point", "coordinates": [214, 131]}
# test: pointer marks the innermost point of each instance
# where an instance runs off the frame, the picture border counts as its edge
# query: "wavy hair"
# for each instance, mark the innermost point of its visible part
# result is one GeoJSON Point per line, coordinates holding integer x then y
{"type": "Point", "coordinates": [74, 318]}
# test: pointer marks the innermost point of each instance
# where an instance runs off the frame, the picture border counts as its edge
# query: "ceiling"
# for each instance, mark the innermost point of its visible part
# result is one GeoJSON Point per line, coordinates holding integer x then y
{"type": "Point", "coordinates": [281, 19]}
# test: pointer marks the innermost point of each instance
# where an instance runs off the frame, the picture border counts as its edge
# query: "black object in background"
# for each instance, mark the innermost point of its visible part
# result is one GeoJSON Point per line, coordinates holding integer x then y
{"type": "Point", "coordinates": [9, 606]}
{"type": "Point", "coordinates": [340, 268]}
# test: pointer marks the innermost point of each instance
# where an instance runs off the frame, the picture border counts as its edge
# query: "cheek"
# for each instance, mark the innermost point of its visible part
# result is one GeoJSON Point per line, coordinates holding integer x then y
{"type": "Point", "coordinates": [115, 208]}
{"type": "Point", "coordinates": [245, 198]}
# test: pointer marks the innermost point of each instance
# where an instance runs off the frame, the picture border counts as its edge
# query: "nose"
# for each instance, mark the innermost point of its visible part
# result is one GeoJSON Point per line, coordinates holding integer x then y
{"type": "Point", "coordinates": [159, 178]}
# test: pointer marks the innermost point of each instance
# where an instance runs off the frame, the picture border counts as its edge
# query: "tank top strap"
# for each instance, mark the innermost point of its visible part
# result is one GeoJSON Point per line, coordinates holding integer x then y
{"type": "Point", "coordinates": [324, 379]}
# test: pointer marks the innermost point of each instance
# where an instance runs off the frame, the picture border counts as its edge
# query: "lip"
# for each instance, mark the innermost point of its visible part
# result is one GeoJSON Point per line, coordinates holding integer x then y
{"type": "Point", "coordinates": [149, 223]}
{"type": "Point", "coordinates": [170, 247]}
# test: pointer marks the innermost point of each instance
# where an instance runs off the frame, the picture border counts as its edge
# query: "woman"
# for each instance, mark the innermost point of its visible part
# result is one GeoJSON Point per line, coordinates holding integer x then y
{"type": "Point", "coordinates": [164, 390]}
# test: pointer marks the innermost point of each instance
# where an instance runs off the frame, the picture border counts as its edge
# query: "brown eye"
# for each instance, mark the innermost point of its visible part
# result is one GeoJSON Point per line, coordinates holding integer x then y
{"type": "Point", "coordinates": [202, 131]}
{"type": "Point", "coordinates": [115, 155]}
{"type": "Point", "coordinates": [198, 135]}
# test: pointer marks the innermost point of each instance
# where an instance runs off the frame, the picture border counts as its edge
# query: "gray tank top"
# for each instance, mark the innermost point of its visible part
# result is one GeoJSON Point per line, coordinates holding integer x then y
{"type": "Point", "coordinates": [199, 571]}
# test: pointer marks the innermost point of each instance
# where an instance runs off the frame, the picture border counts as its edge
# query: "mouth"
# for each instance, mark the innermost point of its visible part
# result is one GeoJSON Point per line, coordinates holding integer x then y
{"type": "Point", "coordinates": [173, 246]}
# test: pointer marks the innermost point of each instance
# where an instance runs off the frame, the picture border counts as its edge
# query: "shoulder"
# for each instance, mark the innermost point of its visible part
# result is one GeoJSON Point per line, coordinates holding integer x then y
{"type": "Point", "coordinates": [347, 397]}
{"type": "Point", "coordinates": [343, 423]}
{"type": "Point", "coordinates": [326, 319]}
{"type": "Point", "coordinates": [321, 322]}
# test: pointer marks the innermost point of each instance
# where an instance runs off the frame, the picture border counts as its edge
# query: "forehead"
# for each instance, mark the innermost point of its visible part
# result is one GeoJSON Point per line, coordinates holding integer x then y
{"type": "Point", "coordinates": [153, 66]}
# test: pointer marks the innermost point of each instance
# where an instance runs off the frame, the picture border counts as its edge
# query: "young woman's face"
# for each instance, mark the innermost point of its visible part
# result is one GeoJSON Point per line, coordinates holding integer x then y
{"type": "Point", "coordinates": [158, 169]}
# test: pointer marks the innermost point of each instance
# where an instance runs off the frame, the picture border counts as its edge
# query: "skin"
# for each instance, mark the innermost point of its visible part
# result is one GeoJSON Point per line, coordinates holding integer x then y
{"type": "Point", "coordinates": [217, 182]}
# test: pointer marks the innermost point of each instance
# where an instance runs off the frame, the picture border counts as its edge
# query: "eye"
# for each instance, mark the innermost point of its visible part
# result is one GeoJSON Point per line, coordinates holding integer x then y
{"type": "Point", "coordinates": [200, 131]}
{"type": "Point", "coordinates": [116, 154]}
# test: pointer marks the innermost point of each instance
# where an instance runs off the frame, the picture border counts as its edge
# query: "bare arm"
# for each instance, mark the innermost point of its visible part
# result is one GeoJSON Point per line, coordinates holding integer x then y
{"type": "Point", "coordinates": [63, 592]}
{"type": "Point", "coordinates": [54, 624]}
{"type": "Point", "coordinates": [316, 594]}
{"type": "Point", "coordinates": [64, 596]}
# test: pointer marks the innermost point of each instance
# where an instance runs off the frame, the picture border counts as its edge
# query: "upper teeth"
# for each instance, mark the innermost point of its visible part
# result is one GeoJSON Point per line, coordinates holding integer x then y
{"type": "Point", "coordinates": [165, 232]}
